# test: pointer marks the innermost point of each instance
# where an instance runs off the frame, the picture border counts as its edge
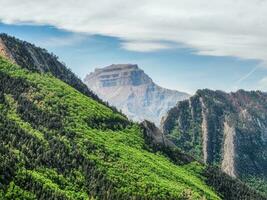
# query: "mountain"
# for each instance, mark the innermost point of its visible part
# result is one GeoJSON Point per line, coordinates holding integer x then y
{"type": "Point", "coordinates": [128, 88]}
{"type": "Point", "coordinates": [224, 129]}
{"type": "Point", "coordinates": [57, 143]}
{"type": "Point", "coordinates": [39, 60]}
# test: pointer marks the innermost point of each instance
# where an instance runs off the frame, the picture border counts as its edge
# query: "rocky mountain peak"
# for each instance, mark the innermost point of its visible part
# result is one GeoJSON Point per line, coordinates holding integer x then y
{"type": "Point", "coordinates": [118, 75]}
{"type": "Point", "coordinates": [131, 90]}
{"type": "Point", "coordinates": [116, 67]}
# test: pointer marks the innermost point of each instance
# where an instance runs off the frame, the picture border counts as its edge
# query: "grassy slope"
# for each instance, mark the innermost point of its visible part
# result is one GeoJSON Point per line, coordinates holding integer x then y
{"type": "Point", "coordinates": [119, 155]}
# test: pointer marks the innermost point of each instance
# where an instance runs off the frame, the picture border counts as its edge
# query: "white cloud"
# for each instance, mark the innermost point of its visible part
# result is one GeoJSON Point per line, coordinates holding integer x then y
{"type": "Point", "coordinates": [212, 27]}
{"type": "Point", "coordinates": [262, 85]}
{"type": "Point", "coordinates": [143, 46]}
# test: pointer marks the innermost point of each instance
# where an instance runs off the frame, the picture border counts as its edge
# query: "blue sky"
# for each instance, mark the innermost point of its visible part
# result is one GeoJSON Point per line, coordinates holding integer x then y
{"type": "Point", "coordinates": [175, 63]}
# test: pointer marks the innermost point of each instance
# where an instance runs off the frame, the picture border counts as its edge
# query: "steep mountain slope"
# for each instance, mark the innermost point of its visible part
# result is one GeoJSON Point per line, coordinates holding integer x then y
{"type": "Point", "coordinates": [39, 60]}
{"type": "Point", "coordinates": [228, 130]}
{"type": "Point", "coordinates": [226, 186]}
{"type": "Point", "coordinates": [59, 144]}
{"type": "Point", "coordinates": [129, 89]}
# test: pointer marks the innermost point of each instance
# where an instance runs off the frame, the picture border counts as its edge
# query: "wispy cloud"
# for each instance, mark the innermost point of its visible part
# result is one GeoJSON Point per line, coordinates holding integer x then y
{"type": "Point", "coordinates": [246, 76]}
{"type": "Point", "coordinates": [222, 28]}
{"type": "Point", "coordinates": [62, 41]}
{"type": "Point", "coordinates": [262, 84]}
{"type": "Point", "coordinates": [243, 78]}
{"type": "Point", "coordinates": [144, 46]}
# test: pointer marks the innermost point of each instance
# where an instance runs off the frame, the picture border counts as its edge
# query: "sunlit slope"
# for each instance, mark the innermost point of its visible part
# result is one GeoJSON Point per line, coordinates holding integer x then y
{"type": "Point", "coordinates": [56, 143]}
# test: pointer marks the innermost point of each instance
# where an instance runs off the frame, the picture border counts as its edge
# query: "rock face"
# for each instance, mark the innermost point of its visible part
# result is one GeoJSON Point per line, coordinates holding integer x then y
{"type": "Point", "coordinates": [155, 136]}
{"type": "Point", "coordinates": [128, 88]}
{"type": "Point", "coordinates": [227, 130]}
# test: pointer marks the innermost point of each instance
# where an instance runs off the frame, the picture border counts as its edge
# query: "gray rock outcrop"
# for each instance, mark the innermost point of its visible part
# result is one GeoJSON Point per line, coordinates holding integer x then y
{"type": "Point", "coordinates": [128, 88]}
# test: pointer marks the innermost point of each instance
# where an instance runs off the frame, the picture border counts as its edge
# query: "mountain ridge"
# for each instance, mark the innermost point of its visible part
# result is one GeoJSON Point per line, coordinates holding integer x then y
{"type": "Point", "coordinates": [37, 59]}
{"type": "Point", "coordinates": [225, 129]}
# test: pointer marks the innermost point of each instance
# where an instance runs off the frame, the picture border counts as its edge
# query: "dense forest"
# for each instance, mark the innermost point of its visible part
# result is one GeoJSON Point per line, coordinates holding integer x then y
{"type": "Point", "coordinates": [57, 142]}
{"type": "Point", "coordinates": [50, 151]}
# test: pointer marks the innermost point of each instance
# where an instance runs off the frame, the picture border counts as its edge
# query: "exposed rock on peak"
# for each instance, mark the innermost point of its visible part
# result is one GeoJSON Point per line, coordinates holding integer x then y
{"type": "Point", "coordinates": [128, 88]}
{"type": "Point", "coordinates": [5, 52]}
{"type": "Point", "coordinates": [118, 75]}
{"type": "Point", "coordinates": [117, 67]}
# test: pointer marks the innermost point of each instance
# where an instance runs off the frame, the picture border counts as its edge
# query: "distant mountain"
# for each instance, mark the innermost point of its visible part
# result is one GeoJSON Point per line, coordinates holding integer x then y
{"type": "Point", "coordinates": [225, 129]}
{"type": "Point", "coordinates": [128, 88]}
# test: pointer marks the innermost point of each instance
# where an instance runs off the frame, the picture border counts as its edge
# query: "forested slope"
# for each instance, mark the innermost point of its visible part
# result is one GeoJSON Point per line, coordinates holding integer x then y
{"type": "Point", "coordinates": [228, 130]}
{"type": "Point", "coordinates": [59, 144]}
{"type": "Point", "coordinates": [37, 59]}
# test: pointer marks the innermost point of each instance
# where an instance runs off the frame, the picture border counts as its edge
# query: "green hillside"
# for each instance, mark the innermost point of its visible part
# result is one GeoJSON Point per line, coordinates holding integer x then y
{"type": "Point", "coordinates": [57, 143]}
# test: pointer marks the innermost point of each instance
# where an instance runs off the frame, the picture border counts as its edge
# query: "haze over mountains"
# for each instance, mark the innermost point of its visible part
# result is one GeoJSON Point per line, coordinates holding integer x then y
{"type": "Point", "coordinates": [128, 88]}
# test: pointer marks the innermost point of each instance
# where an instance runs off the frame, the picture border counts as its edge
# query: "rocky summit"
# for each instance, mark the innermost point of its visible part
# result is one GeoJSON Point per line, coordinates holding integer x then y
{"type": "Point", "coordinates": [128, 88]}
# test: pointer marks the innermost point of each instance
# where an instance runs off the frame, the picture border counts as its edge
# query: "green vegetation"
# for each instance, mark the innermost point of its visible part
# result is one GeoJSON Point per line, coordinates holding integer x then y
{"type": "Point", "coordinates": [256, 182]}
{"type": "Point", "coordinates": [245, 112]}
{"type": "Point", "coordinates": [56, 143]}
{"type": "Point", "coordinates": [183, 128]}
{"type": "Point", "coordinates": [39, 60]}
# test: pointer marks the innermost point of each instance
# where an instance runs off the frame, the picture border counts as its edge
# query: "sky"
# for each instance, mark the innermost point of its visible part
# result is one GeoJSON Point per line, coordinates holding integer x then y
{"type": "Point", "coordinates": [181, 44]}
